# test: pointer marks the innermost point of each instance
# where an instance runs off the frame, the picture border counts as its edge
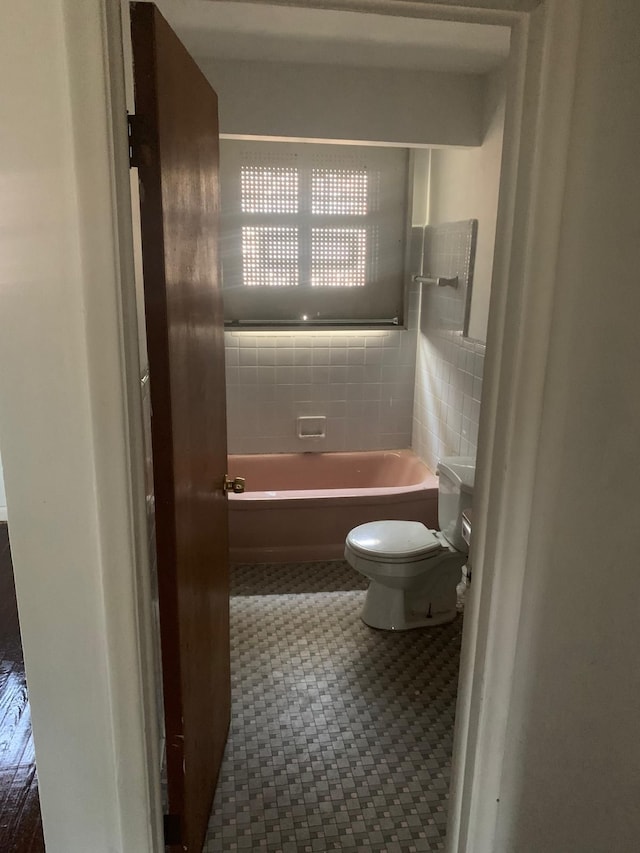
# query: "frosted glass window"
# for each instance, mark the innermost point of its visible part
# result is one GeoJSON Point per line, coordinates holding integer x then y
{"type": "Point", "coordinates": [270, 256]}
{"type": "Point", "coordinates": [312, 233]}
{"type": "Point", "coordinates": [338, 257]}
{"type": "Point", "coordinates": [339, 192]}
{"type": "Point", "coordinates": [269, 189]}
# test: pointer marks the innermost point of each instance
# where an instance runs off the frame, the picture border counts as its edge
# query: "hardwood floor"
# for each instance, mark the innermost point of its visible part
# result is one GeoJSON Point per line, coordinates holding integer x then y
{"type": "Point", "coordinates": [20, 819]}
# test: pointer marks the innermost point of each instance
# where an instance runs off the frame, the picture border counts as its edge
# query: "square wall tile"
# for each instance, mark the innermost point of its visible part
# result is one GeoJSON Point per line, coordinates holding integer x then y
{"type": "Point", "coordinates": [320, 370]}
{"type": "Point", "coordinates": [449, 367]}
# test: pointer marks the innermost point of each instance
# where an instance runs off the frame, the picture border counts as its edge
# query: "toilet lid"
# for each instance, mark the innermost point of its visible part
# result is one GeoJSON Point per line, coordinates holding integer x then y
{"type": "Point", "coordinates": [393, 540]}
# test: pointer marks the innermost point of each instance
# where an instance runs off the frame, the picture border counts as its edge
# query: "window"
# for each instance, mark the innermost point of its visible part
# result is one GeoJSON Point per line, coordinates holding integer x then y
{"type": "Point", "coordinates": [312, 234]}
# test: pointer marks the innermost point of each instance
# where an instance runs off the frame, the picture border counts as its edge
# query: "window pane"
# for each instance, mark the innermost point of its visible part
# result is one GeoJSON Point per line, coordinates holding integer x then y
{"type": "Point", "coordinates": [269, 256]}
{"type": "Point", "coordinates": [338, 257]}
{"type": "Point", "coordinates": [269, 189]}
{"type": "Point", "coordinates": [339, 191]}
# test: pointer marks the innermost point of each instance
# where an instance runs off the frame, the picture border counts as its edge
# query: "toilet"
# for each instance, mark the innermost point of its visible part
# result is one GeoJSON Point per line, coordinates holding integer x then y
{"type": "Point", "coordinates": [414, 571]}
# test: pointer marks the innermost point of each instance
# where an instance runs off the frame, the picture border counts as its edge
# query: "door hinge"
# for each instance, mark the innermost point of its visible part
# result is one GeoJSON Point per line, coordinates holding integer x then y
{"type": "Point", "coordinates": [172, 830]}
{"type": "Point", "coordinates": [135, 142]}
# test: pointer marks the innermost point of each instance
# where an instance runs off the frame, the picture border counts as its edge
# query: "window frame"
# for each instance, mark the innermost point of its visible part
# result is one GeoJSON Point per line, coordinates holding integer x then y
{"type": "Point", "coordinates": [255, 307]}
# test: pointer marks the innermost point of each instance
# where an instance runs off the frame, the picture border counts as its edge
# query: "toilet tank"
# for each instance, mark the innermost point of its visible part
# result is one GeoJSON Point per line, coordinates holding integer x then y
{"type": "Point", "coordinates": [455, 494]}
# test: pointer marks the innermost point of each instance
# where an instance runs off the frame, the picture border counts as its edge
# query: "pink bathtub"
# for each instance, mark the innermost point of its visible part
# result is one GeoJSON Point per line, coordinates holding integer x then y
{"type": "Point", "coordinates": [300, 506]}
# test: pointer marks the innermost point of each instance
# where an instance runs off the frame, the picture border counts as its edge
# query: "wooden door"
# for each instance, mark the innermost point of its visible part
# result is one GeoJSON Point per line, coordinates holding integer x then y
{"type": "Point", "coordinates": [175, 143]}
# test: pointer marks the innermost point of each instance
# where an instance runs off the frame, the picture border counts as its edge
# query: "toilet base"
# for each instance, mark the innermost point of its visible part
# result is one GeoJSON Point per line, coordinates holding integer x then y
{"type": "Point", "coordinates": [389, 610]}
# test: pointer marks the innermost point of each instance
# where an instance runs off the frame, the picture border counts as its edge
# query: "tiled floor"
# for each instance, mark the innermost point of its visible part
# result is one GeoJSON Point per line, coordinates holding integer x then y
{"type": "Point", "coordinates": [284, 578]}
{"type": "Point", "coordinates": [341, 735]}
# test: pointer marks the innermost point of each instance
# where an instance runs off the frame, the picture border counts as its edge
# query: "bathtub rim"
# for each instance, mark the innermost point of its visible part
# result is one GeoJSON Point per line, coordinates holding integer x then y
{"type": "Point", "coordinates": [289, 497]}
{"type": "Point", "coordinates": [259, 501]}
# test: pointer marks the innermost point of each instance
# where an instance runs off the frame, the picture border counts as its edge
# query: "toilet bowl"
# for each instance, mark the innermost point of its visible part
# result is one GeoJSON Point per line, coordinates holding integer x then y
{"type": "Point", "coordinates": [414, 571]}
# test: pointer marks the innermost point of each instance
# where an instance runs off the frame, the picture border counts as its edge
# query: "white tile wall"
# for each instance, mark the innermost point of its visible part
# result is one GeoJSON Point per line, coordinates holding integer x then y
{"type": "Point", "coordinates": [361, 381]}
{"type": "Point", "coordinates": [449, 367]}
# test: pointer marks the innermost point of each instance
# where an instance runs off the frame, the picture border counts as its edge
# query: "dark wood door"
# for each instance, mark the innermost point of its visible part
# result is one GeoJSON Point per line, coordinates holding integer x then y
{"type": "Point", "coordinates": [176, 145]}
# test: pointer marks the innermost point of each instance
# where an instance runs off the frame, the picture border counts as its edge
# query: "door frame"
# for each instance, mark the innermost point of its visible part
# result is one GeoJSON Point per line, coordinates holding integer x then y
{"type": "Point", "coordinates": [71, 427]}
{"type": "Point", "coordinates": [541, 73]}
{"type": "Point", "coordinates": [121, 770]}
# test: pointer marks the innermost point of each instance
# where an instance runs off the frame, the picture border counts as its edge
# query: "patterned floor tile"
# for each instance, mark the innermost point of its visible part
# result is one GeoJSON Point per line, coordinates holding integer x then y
{"type": "Point", "coordinates": [283, 578]}
{"type": "Point", "coordinates": [341, 735]}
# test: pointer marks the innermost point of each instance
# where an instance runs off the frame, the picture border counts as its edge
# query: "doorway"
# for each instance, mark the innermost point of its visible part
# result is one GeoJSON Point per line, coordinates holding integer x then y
{"type": "Point", "coordinates": [344, 765]}
{"type": "Point", "coordinates": [73, 805]}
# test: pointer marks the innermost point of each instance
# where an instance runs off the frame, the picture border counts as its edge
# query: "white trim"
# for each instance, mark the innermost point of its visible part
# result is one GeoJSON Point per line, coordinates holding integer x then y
{"type": "Point", "coordinates": [475, 627]}
{"type": "Point", "coordinates": [493, 12]}
{"type": "Point", "coordinates": [71, 426]}
{"type": "Point", "coordinates": [524, 286]}
{"type": "Point", "coordinates": [94, 50]}
{"type": "Point", "coordinates": [106, 246]}
{"type": "Point", "coordinates": [119, 94]}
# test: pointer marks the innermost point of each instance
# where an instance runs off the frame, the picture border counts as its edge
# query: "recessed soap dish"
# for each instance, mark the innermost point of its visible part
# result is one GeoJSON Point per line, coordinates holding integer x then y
{"type": "Point", "coordinates": [312, 426]}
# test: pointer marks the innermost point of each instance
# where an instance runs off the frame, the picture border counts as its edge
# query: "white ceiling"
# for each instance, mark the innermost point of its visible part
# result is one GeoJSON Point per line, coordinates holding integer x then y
{"type": "Point", "coordinates": [227, 30]}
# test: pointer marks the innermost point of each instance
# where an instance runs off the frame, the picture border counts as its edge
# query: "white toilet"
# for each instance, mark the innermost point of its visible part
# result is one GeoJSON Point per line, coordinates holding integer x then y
{"type": "Point", "coordinates": [414, 571]}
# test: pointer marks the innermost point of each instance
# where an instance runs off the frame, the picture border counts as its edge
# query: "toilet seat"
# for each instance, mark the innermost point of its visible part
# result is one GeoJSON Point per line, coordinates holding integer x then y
{"type": "Point", "coordinates": [393, 541]}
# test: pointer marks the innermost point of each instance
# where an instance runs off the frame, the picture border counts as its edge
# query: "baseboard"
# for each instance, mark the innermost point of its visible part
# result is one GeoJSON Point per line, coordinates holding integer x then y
{"type": "Point", "coordinates": [288, 554]}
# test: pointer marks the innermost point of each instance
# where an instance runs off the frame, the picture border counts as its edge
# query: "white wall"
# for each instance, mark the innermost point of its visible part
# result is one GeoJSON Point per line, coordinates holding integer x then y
{"type": "Point", "coordinates": [408, 108]}
{"type": "Point", "coordinates": [570, 775]}
{"type": "Point", "coordinates": [65, 420]}
{"type": "Point", "coordinates": [464, 184]}
{"type": "Point", "coordinates": [457, 185]}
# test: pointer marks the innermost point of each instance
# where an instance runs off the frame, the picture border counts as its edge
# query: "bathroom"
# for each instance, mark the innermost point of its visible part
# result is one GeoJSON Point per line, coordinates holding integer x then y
{"type": "Point", "coordinates": [302, 659]}
{"type": "Point", "coordinates": [378, 389]}
{"type": "Point", "coordinates": [544, 759]}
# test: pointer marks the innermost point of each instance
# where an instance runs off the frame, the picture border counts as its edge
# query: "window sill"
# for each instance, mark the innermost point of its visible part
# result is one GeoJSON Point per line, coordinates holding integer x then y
{"type": "Point", "coordinates": [326, 326]}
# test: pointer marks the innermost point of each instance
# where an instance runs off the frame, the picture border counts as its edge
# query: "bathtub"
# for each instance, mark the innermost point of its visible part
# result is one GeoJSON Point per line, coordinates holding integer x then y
{"type": "Point", "coordinates": [300, 506]}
